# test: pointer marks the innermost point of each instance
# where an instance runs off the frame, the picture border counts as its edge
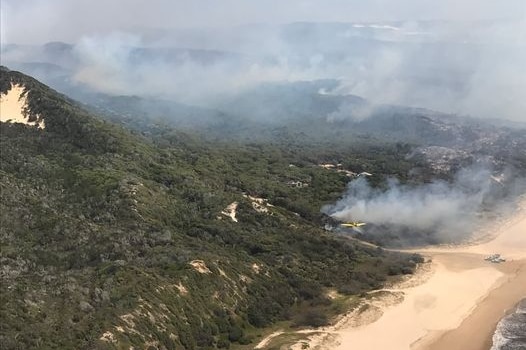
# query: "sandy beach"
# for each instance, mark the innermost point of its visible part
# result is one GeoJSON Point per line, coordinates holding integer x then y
{"type": "Point", "coordinates": [456, 304]}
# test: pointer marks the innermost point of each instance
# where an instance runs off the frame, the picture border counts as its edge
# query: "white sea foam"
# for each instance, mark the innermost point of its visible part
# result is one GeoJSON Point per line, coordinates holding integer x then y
{"type": "Point", "coordinates": [511, 330]}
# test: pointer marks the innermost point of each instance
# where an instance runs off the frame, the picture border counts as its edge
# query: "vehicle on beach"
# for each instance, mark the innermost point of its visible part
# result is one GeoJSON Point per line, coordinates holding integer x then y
{"type": "Point", "coordinates": [495, 258]}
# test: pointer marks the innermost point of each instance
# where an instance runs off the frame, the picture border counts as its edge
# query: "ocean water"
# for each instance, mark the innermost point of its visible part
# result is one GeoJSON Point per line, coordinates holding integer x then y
{"type": "Point", "coordinates": [511, 330]}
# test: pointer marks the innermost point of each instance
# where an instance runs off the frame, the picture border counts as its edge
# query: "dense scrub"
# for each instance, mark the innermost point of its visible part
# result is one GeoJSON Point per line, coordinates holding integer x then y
{"type": "Point", "coordinates": [112, 240]}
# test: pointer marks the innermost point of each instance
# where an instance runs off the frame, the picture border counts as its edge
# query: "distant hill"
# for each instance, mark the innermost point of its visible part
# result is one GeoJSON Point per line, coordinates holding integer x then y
{"type": "Point", "coordinates": [307, 113]}
{"type": "Point", "coordinates": [114, 239]}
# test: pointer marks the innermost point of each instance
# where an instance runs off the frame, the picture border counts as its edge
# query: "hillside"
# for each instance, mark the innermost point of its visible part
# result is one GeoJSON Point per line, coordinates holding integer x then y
{"type": "Point", "coordinates": [415, 147]}
{"type": "Point", "coordinates": [110, 239]}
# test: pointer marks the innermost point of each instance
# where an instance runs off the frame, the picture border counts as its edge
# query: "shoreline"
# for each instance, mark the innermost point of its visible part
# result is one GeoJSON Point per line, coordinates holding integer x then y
{"type": "Point", "coordinates": [456, 307]}
{"type": "Point", "coordinates": [477, 329]}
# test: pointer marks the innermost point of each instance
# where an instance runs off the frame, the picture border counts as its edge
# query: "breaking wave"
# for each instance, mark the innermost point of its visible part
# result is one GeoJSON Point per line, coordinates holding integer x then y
{"type": "Point", "coordinates": [511, 330]}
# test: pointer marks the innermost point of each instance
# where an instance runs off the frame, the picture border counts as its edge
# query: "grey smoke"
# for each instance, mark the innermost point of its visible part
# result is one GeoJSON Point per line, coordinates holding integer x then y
{"type": "Point", "coordinates": [450, 209]}
{"type": "Point", "coordinates": [471, 62]}
{"type": "Point", "coordinates": [110, 64]}
{"type": "Point", "coordinates": [351, 111]}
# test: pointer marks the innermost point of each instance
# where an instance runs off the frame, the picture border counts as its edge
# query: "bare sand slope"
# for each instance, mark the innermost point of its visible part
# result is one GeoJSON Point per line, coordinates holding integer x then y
{"type": "Point", "coordinates": [12, 107]}
{"type": "Point", "coordinates": [457, 307]}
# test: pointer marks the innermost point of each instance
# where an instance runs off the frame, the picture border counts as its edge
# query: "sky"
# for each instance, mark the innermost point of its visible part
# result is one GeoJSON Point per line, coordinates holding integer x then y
{"type": "Point", "coordinates": [461, 65]}
{"type": "Point", "coordinates": [39, 21]}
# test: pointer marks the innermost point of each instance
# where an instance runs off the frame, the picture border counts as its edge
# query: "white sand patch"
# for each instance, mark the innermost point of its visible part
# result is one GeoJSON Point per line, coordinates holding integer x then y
{"type": "Point", "coordinates": [259, 204]}
{"type": "Point", "coordinates": [222, 273]}
{"type": "Point", "coordinates": [108, 337]}
{"type": "Point", "coordinates": [200, 266]}
{"type": "Point", "coordinates": [182, 289]}
{"type": "Point", "coordinates": [256, 268]}
{"type": "Point", "coordinates": [128, 318]}
{"type": "Point", "coordinates": [267, 339]}
{"type": "Point", "coordinates": [327, 166]}
{"type": "Point", "coordinates": [332, 294]}
{"type": "Point", "coordinates": [151, 344]}
{"type": "Point", "coordinates": [230, 211]}
{"type": "Point", "coordinates": [13, 108]}
{"type": "Point", "coordinates": [339, 169]}
{"type": "Point", "coordinates": [347, 173]}
{"type": "Point", "coordinates": [245, 279]}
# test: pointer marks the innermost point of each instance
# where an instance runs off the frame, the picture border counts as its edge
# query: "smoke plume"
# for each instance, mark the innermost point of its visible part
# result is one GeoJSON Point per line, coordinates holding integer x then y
{"type": "Point", "coordinates": [450, 210]}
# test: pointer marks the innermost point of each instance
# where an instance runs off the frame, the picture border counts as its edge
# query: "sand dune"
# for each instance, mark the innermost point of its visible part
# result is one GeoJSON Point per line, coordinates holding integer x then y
{"type": "Point", "coordinates": [456, 307]}
{"type": "Point", "coordinates": [13, 105]}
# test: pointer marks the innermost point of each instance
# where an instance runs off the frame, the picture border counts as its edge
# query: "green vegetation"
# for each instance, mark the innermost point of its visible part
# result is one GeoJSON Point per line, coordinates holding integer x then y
{"type": "Point", "coordinates": [111, 239]}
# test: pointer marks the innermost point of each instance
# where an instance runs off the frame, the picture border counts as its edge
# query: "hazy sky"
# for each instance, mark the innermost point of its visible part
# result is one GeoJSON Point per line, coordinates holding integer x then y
{"type": "Point", "coordinates": [38, 21]}
{"type": "Point", "coordinates": [463, 67]}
